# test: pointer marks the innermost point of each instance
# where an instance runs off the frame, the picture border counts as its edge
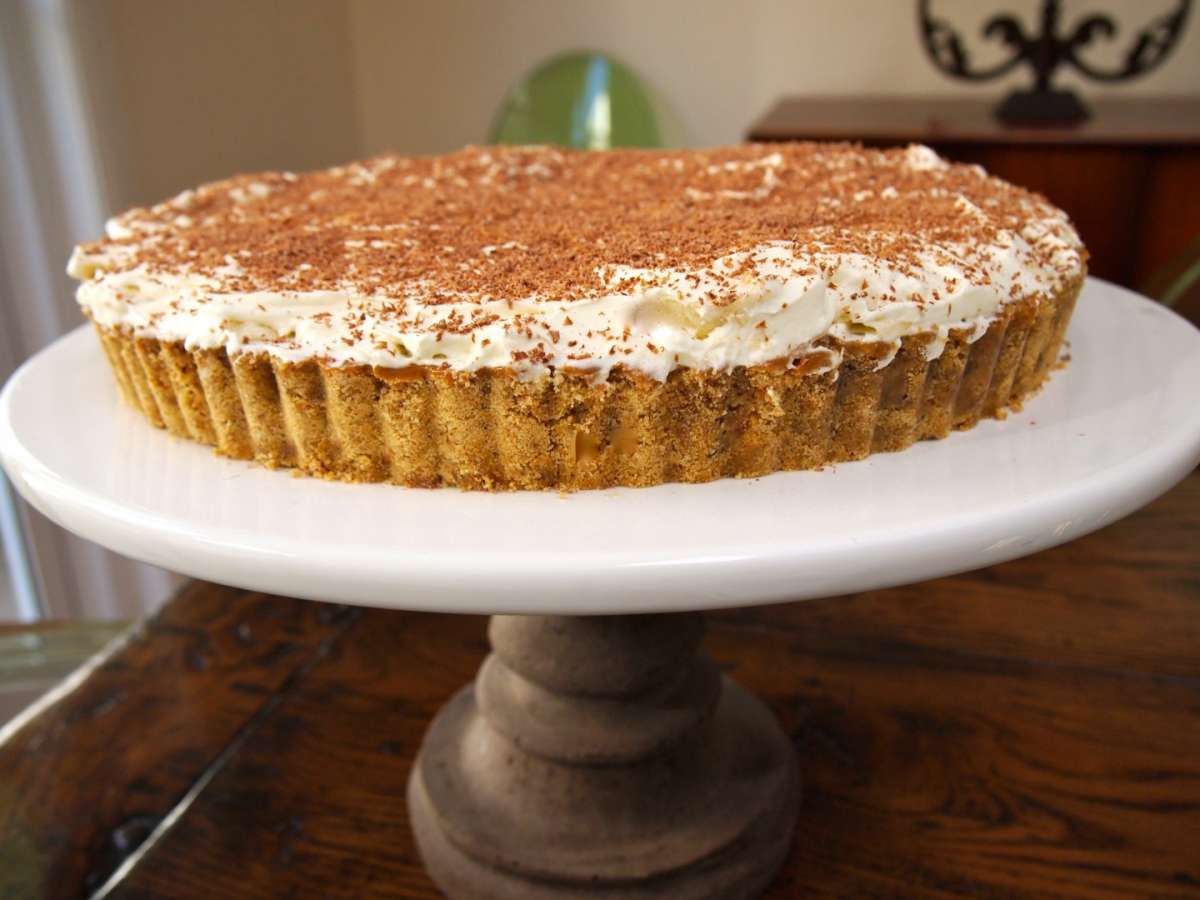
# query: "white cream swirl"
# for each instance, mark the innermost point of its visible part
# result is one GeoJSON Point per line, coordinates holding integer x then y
{"type": "Point", "coordinates": [651, 320]}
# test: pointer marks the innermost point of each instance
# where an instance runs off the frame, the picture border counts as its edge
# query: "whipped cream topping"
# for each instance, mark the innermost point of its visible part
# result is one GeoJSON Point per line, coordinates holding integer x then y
{"type": "Point", "coordinates": [752, 255]}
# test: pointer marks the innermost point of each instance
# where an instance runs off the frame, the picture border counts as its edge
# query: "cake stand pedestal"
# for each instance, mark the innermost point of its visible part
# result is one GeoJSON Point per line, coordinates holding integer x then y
{"type": "Point", "coordinates": [599, 754]}
{"type": "Point", "coordinates": [603, 757]}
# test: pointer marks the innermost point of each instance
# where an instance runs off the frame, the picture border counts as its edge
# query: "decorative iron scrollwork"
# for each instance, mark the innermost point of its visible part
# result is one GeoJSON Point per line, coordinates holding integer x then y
{"type": "Point", "coordinates": [1047, 50]}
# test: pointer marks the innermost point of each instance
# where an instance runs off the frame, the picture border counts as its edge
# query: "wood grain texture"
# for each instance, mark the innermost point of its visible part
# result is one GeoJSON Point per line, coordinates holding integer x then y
{"type": "Point", "coordinates": [1029, 730]}
{"type": "Point", "coordinates": [1129, 177]}
{"type": "Point", "coordinates": [82, 784]}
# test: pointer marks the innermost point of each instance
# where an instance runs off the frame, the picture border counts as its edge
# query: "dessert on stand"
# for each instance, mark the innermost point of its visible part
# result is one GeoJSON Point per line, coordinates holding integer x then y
{"type": "Point", "coordinates": [560, 773]}
{"type": "Point", "coordinates": [593, 395]}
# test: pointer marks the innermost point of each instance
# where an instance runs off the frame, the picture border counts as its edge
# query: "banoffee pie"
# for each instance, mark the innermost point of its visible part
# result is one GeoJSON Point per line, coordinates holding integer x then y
{"type": "Point", "coordinates": [532, 317]}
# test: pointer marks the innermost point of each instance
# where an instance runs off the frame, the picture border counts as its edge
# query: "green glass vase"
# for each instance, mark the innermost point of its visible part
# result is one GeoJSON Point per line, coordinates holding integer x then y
{"type": "Point", "coordinates": [585, 100]}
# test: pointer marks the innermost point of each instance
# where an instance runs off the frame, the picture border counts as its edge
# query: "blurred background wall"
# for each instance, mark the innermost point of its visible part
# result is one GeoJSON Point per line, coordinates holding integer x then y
{"type": "Point", "coordinates": [197, 90]}
{"type": "Point", "coordinates": [716, 65]}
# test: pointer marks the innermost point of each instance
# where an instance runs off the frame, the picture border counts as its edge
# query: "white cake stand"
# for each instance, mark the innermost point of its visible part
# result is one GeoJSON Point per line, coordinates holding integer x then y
{"type": "Point", "coordinates": [599, 754]}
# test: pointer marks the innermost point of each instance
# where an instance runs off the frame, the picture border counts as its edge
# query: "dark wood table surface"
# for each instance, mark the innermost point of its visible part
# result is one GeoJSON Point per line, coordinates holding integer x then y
{"type": "Point", "coordinates": [1028, 730]}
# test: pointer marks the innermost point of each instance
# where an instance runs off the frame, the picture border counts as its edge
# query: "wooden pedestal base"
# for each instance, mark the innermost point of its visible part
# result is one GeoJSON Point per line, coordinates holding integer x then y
{"type": "Point", "coordinates": [598, 758]}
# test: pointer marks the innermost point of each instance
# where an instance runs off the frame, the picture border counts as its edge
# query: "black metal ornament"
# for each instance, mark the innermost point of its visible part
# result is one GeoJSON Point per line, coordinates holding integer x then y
{"type": "Point", "coordinates": [1045, 52]}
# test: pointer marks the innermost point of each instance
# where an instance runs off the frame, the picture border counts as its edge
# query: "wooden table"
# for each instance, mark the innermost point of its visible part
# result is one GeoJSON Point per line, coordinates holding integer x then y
{"type": "Point", "coordinates": [1129, 177]}
{"type": "Point", "coordinates": [1032, 729]}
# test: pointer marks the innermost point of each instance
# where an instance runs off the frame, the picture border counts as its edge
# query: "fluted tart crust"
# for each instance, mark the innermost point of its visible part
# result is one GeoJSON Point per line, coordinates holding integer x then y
{"type": "Point", "coordinates": [534, 317]}
{"type": "Point", "coordinates": [428, 427]}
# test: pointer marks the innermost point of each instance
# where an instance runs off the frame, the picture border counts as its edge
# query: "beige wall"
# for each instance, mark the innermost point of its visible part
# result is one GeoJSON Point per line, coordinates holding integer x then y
{"type": "Point", "coordinates": [430, 76]}
{"type": "Point", "coordinates": [188, 91]}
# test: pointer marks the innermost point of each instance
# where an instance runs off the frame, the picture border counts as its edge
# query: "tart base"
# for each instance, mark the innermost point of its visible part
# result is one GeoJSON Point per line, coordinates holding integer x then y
{"type": "Point", "coordinates": [487, 430]}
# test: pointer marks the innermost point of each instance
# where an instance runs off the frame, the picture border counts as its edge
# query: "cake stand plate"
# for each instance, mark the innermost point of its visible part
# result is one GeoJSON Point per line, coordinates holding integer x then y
{"type": "Point", "coordinates": [599, 754]}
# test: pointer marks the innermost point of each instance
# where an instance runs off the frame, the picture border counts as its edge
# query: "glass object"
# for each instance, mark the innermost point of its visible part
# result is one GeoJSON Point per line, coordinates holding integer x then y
{"type": "Point", "coordinates": [584, 100]}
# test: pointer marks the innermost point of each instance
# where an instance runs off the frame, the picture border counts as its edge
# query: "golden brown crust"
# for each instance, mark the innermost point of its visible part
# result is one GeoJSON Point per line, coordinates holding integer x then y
{"type": "Point", "coordinates": [488, 430]}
